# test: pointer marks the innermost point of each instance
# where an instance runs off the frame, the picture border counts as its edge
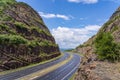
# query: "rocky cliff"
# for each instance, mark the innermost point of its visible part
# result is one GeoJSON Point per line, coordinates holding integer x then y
{"type": "Point", "coordinates": [24, 38]}
{"type": "Point", "coordinates": [95, 66]}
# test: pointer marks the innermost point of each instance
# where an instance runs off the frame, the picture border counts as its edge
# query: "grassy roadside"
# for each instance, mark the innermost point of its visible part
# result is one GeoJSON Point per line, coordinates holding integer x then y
{"type": "Point", "coordinates": [45, 71]}
{"type": "Point", "coordinates": [72, 77]}
{"type": "Point", "coordinates": [29, 66]}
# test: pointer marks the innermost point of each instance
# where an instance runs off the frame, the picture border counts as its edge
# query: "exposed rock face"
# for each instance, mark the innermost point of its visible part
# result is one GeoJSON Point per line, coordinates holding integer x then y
{"type": "Point", "coordinates": [90, 65]}
{"type": "Point", "coordinates": [24, 38]}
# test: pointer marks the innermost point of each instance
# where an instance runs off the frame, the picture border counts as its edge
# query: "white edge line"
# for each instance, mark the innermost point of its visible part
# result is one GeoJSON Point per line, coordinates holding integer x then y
{"type": "Point", "coordinates": [70, 72]}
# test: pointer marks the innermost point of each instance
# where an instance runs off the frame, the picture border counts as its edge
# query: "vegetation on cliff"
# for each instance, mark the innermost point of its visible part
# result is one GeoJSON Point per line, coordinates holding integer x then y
{"type": "Point", "coordinates": [24, 38]}
{"type": "Point", "coordinates": [106, 48]}
{"type": "Point", "coordinates": [106, 43]}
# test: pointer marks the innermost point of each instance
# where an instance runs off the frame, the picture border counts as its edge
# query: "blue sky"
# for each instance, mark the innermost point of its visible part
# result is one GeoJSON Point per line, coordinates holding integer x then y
{"type": "Point", "coordinates": [72, 22]}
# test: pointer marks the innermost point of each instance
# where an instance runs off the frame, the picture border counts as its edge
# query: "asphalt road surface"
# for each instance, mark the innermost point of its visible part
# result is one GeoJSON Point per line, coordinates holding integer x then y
{"type": "Point", "coordinates": [64, 72]}
{"type": "Point", "coordinates": [21, 73]}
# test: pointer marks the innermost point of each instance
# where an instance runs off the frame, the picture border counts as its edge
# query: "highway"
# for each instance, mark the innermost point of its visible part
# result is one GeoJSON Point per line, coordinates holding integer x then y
{"type": "Point", "coordinates": [62, 73]}
{"type": "Point", "coordinates": [18, 74]}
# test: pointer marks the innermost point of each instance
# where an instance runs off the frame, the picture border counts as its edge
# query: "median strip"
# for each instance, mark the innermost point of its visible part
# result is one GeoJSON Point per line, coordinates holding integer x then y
{"type": "Point", "coordinates": [45, 71]}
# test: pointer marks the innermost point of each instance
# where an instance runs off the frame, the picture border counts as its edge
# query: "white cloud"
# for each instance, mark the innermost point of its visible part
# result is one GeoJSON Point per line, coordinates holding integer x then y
{"type": "Point", "coordinates": [83, 18]}
{"type": "Point", "coordinates": [84, 1]}
{"type": "Point", "coordinates": [72, 37]}
{"type": "Point", "coordinates": [62, 16]}
{"type": "Point", "coordinates": [48, 15]}
{"type": "Point", "coordinates": [92, 27]}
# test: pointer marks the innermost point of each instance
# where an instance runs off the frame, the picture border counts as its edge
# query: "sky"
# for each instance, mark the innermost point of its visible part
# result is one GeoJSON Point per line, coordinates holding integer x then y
{"type": "Point", "coordinates": [72, 22]}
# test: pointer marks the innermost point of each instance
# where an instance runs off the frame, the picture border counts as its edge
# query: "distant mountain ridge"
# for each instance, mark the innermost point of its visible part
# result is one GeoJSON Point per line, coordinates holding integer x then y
{"type": "Point", "coordinates": [24, 38]}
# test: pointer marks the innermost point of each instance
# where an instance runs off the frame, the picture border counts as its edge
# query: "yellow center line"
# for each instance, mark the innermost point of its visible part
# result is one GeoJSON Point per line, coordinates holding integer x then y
{"type": "Point", "coordinates": [45, 71]}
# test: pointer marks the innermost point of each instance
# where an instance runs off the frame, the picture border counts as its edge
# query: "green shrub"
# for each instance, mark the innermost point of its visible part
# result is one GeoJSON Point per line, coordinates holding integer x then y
{"type": "Point", "coordinates": [3, 27]}
{"type": "Point", "coordinates": [33, 43]}
{"type": "Point", "coordinates": [114, 28]}
{"type": "Point", "coordinates": [106, 48]}
{"type": "Point", "coordinates": [7, 1]}
{"type": "Point", "coordinates": [6, 28]}
{"type": "Point", "coordinates": [80, 46]}
{"type": "Point", "coordinates": [20, 25]}
{"type": "Point", "coordinates": [47, 43]}
{"type": "Point", "coordinates": [12, 39]}
{"type": "Point", "coordinates": [83, 45]}
{"type": "Point", "coordinates": [7, 18]}
{"type": "Point", "coordinates": [40, 30]}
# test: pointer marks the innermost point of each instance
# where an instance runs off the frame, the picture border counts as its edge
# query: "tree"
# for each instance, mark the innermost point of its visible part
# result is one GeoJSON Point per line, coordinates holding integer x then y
{"type": "Point", "coordinates": [106, 48]}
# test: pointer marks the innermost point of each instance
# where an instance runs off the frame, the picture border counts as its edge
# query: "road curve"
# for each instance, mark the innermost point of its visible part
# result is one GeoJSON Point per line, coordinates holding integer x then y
{"type": "Point", "coordinates": [64, 72]}
{"type": "Point", "coordinates": [21, 73]}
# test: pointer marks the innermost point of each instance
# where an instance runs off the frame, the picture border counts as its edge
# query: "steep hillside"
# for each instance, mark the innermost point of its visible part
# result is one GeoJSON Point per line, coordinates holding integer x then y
{"type": "Point", "coordinates": [24, 38]}
{"type": "Point", "coordinates": [100, 50]}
